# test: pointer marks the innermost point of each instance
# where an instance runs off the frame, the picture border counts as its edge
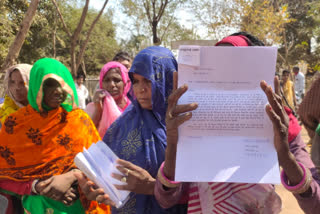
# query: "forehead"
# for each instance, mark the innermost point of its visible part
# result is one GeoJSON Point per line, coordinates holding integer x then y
{"type": "Point", "coordinates": [15, 74]}
{"type": "Point", "coordinates": [112, 73]}
{"type": "Point", "coordinates": [138, 77]}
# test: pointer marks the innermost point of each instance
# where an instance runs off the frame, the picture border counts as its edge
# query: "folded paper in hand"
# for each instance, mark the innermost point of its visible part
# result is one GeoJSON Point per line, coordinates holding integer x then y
{"type": "Point", "coordinates": [98, 163]}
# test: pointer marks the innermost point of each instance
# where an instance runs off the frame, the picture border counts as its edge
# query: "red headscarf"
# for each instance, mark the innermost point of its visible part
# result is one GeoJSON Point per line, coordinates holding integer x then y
{"type": "Point", "coordinates": [239, 40]}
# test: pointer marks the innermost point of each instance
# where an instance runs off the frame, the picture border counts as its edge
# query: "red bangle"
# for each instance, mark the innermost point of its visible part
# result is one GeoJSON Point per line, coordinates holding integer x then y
{"type": "Point", "coordinates": [166, 181]}
{"type": "Point", "coordinates": [163, 175]}
{"type": "Point", "coordinates": [300, 187]}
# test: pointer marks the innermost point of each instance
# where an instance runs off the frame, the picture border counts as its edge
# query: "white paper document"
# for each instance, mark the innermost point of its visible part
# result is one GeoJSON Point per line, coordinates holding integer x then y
{"type": "Point", "coordinates": [98, 163]}
{"type": "Point", "coordinates": [230, 137]}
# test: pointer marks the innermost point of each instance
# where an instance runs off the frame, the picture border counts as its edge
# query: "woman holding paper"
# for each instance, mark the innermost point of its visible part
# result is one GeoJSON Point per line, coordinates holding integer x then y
{"type": "Point", "coordinates": [40, 141]}
{"type": "Point", "coordinates": [298, 175]}
{"type": "Point", "coordinates": [139, 134]}
{"type": "Point", "coordinates": [111, 99]}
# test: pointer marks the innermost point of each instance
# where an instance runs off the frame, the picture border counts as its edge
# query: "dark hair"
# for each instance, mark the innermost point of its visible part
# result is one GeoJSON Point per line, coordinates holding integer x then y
{"type": "Point", "coordinates": [296, 68]}
{"type": "Point", "coordinates": [122, 55]}
{"type": "Point", "coordinates": [285, 72]}
{"type": "Point", "coordinates": [252, 40]}
{"type": "Point", "coordinates": [50, 82]}
{"type": "Point", "coordinates": [80, 76]}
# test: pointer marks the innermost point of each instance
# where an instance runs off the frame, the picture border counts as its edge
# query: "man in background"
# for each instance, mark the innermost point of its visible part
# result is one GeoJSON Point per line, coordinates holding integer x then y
{"type": "Point", "coordinates": [124, 58]}
{"type": "Point", "coordinates": [299, 84]}
{"type": "Point", "coordinates": [82, 91]}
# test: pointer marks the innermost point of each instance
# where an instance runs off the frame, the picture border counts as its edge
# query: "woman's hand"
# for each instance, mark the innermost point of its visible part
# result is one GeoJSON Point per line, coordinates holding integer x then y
{"type": "Point", "coordinates": [56, 186]}
{"type": "Point", "coordinates": [280, 122]}
{"type": "Point", "coordinates": [177, 114]}
{"type": "Point", "coordinates": [278, 117]}
{"type": "Point", "coordinates": [98, 96]}
{"type": "Point", "coordinates": [91, 191]}
{"type": "Point", "coordinates": [70, 196]}
{"type": "Point", "coordinates": [137, 179]}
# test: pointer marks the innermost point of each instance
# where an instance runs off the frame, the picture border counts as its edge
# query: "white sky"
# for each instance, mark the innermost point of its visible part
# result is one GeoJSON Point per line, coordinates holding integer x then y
{"type": "Point", "coordinates": [119, 18]}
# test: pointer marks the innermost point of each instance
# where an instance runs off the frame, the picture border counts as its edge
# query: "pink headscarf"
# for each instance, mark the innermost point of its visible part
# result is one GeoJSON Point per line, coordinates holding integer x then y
{"type": "Point", "coordinates": [239, 40]}
{"type": "Point", "coordinates": [124, 75]}
{"type": "Point", "coordinates": [111, 111]}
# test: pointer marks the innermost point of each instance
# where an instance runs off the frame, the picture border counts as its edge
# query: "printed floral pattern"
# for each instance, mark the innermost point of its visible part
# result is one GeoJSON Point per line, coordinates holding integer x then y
{"type": "Point", "coordinates": [35, 136]}
{"type": "Point", "coordinates": [6, 154]}
{"type": "Point", "coordinates": [10, 123]}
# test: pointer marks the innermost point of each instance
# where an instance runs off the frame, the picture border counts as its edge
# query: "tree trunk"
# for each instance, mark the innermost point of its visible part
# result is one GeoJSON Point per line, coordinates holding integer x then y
{"type": "Point", "coordinates": [156, 40]}
{"type": "Point", "coordinates": [15, 47]}
{"type": "Point", "coordinates": [85, 43]}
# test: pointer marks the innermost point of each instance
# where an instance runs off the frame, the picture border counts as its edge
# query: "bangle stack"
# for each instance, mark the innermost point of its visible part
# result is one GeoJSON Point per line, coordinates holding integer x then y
{"type": "Point", "coordinates": [33, 187]}
{"type": "Point", "coordinates": [166, 181]}
{"type": "Point", "coordinates": [301, 187]}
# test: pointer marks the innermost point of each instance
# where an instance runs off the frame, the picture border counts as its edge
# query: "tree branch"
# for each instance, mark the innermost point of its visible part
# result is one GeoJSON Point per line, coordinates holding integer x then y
{"type": "Point", "coordinates": [80, 56]}
{"type": "Point", "coordinates": [154, 10]}
{"type": "Point", "coordinates": [16, 46]}
{"type": "Point", "coordinates": [146, 5]}
{"type": "Point", "coordinates": [76, 33]}
{"type": "Point", "coordinates": [162, 9]}
{"type": "Point", "coordinates": [166, 29]}
{"type": "Point", "coordinates": [61, 18]}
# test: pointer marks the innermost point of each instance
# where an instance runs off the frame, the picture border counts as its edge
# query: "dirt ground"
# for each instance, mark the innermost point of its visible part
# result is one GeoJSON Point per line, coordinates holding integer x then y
{"type": "Point", "coordinates": [289, 203]}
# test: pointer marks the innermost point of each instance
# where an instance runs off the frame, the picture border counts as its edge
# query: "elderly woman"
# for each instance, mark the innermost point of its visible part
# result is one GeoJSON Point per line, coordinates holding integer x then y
{"type": "Point", "coordinates": [39, 142]}
{"type": "Point", "coordinates": [139, 134]}
{"type": "Point", "coordinates": [298, 176]}
{"type": "Point", "coordinates": [111, 100]}
{"type": "Point", "coordinates": [16, 83]}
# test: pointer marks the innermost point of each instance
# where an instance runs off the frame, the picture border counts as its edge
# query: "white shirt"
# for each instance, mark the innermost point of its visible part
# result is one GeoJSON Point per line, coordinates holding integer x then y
{"type": "Point", "coordinates": [83, 93]}
{"type": "Point", "coordinates": [299, 83]}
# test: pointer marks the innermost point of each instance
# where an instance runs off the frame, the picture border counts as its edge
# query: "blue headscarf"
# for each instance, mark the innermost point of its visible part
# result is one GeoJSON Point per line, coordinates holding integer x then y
{"type": "Point", "coordinates": [139, 135]}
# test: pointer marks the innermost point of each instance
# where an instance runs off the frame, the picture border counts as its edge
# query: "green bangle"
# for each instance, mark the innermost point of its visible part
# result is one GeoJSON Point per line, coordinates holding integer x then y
{"type": "Point", "coordinates": [318, 129]}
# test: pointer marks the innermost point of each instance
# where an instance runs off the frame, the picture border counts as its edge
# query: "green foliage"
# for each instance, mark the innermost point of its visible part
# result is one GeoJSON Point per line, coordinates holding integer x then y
{"type": "Point", "coordinates": [47, 26]}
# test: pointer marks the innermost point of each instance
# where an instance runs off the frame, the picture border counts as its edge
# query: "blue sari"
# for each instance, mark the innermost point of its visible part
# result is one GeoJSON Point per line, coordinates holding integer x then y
{"type": "Point", "coordinates": [139, 135]}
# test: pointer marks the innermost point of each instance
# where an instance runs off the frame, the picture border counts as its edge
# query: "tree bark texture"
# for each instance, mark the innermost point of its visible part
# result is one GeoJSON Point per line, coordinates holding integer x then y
{"type": "Point", "coordinates": [15, 47]}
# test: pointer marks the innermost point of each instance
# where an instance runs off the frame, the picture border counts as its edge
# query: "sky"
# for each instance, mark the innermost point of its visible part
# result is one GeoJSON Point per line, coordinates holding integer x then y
{"type": "Point", "coordinates": [120, 19]}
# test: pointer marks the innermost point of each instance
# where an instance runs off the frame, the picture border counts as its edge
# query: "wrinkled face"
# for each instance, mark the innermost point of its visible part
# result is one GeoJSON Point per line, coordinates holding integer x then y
{"type": "Point", "coordinates": [285, 77]}
{"type": "Point", "coordinates": [126, 63]}
{"type": "Point", "coordinates": [112, 82]}
{"type": "Point", "coordinates": [17, 87]}
{"type": "Point", "coordinates": [53, 94]}
{"type": "Point", "coordinates": [80, 81]}
{"type": "Point", "coordinates": [142, 91]}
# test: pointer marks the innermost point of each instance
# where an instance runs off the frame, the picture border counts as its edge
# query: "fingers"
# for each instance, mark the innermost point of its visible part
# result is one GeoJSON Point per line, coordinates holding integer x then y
{"type": "Point", "coordinates": [275, 119]}
{"type": "Point", "coordinates": [105, 199]}
{"type": "Point", "coordinates": [277, 87]}
{"type": "Point", "coordinates": [175, 80]}
{"type": "Point", "coordinates": [180, 109]}
{"type": "Point", "coordinates": [182, 118]}
{"type": "Point", "coordinates": [174, 97]}
{"type": "Point", "coordinates": [274, 100]}
{"type": "Point", "coordinates": [123, 187]}
{"type": "Point", "coordinates": [93, 194]}
{"type": "Point", "coordinates": [117, 176]}
{"type": "Point", "coordinates": [43, 184]}
{"type": "Point", "coordinates": [82, 179]}
{"type": "Point", "coordinates": [127, 164]}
